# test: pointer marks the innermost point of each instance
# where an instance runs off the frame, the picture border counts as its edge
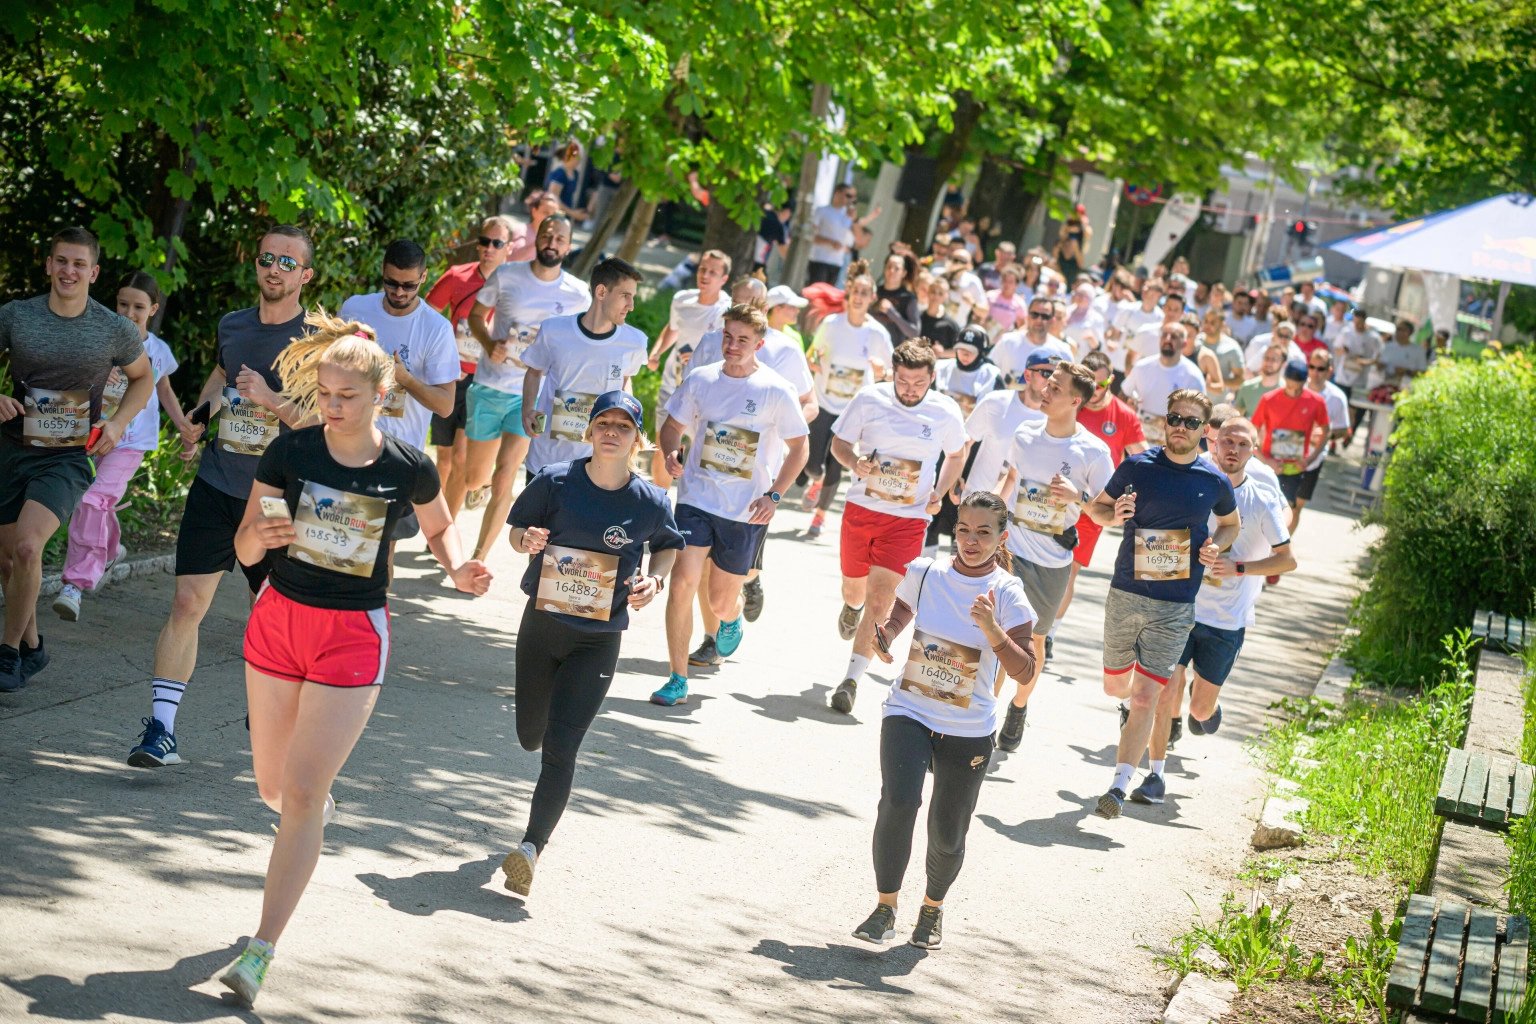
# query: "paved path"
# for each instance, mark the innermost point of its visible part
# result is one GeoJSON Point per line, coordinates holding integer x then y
{"type": "Point", "coordinates": [713, 861]}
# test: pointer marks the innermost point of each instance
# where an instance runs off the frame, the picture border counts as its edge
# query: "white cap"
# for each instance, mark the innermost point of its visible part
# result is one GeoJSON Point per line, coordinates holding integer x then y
{"type": "Point", "coordinates": [783, 294]}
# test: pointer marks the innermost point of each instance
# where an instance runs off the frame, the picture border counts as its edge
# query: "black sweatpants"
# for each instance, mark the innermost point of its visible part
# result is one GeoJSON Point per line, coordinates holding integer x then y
{"type": "Point", "coordinates": [820, 461]}
{"type": "Point", "coordinates": [959, 767]}
{"type": "Point", "coordinates": [563, 674]}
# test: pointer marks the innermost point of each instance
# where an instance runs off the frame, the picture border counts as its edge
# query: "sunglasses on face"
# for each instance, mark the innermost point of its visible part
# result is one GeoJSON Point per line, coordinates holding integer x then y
{"type": "Point", "coordinates": [1044, 371]}
{"type": "Point", "coordinates": [1101, 385]}
{"type": "Point", "coordinates": [1319, 367]}
{"type": "Point", "coordinates": [287, 264]}
{"type": "Point", "coordinates": [400, 286]}
{"type": "Point", "coordinates": [494, 243]}
{"type": "Point", "coordinates": [1188, 422]}
{"type": "Point", "coordinates": [1039, 316]}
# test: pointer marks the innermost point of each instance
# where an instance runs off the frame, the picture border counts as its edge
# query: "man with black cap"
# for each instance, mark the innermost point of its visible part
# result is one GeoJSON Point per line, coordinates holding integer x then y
{"type": "Point", "coordinates": [1291, 421]}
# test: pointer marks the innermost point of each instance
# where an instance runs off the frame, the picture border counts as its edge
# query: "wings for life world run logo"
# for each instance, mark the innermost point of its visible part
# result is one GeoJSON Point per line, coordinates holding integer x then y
{"type": "Point", "coordinates": [329, 510]}
{"type": "Point", "coordinates": [574, 565]}
{"type": "Point", "coordinates": [615, 537]}
{"type": "Point", "coordinates": [939, 657]}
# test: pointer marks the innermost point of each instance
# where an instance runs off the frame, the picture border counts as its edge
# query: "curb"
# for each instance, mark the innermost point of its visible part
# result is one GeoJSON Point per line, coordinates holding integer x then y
{"type": "Point", "coordinates": [128, 570]}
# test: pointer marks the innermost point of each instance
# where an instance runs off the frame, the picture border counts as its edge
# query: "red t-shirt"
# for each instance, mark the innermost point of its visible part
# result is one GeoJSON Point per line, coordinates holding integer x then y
{"type": "Point", "coordinates": [1115, 424]}
{"type": "Point", "coordinates": [454, 296]}
{"type": "Point", "coordinates": [1308, 347]}
{"type": "Point", "coordinates": [1287, 425]}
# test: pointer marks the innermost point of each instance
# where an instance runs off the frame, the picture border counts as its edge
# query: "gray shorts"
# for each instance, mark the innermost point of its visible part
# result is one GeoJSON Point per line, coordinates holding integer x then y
{"type": "Point", "coordinates": [1045, 588]}
{"type": "Point", "coordinates": [1145, 632]}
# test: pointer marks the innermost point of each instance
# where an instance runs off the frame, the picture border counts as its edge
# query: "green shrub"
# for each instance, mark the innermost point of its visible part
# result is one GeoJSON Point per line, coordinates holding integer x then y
{"type": "Point", "coordinates": [1522, 837]}
{"type": "Point", "coordinates": [1459, 512]}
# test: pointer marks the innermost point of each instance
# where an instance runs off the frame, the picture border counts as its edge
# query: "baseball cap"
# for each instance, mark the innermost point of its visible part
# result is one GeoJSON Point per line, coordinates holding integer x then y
{"type": "Point", "coordinates": [1295, 370]}
{"type": "Point", "coordinates": [976, 337]}
{"type": "Point", "coordinates": [620, 400]}
{"type": "Point", "coordinates": [784, 295]}
{"type": "Point", "coordinates": [1041, 359]}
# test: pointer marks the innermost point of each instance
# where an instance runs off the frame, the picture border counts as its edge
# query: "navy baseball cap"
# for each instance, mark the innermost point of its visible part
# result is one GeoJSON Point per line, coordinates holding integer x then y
{"type": "Point", "coordinates": [1295, 370]}
{"type": "Point", "coordinates": [620, 400]}
{"type": "Point", "coordinates": [1041, 359]}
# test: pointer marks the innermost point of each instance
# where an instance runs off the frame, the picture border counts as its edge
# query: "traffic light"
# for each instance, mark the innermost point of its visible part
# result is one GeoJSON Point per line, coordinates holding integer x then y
{"type": "Point", "coordinates": [1302, 232]}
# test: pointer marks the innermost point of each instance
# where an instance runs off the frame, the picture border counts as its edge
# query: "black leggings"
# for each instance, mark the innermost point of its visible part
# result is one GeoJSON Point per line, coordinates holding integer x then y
{"type": "Point", "coordinates": [821, 463]}
{"type": "Point", "coordinates": [563, 674]}
{"type": "Point", "coordinates": [959, 767]}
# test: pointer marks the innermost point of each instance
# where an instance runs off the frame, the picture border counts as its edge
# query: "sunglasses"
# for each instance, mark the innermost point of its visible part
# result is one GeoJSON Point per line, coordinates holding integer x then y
{"type": "Point", "coordinates": [1040, 316]}
{"type": "Point", "coordinates": [287, 264]}
{"type": "Point", "coordinates": [1101, 385]}
{"type": "Point", "coordinates": [1044, 371]}
{"type": "Point", "coordinates": [494, 243]}
{"type": "Point", "coordinates": [1319, 367]}
{"type": "Point", "coordinates": [1188, 422]}
{"type": "Point", "coordinates": [400, 286]}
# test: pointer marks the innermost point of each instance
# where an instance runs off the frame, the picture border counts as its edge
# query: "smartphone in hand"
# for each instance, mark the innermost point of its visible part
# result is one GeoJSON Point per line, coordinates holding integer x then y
{"type": "Point", "coordinates": [275, 508]}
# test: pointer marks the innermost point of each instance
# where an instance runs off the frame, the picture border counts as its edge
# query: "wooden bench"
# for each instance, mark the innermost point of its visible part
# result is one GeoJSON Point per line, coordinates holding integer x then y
{"type": "Point", "coordinates": [1501, 632]}
{"type": "Point", "coordinates": [1457, 962]}
{"type": "Point", "coordinates": [1485, 790]}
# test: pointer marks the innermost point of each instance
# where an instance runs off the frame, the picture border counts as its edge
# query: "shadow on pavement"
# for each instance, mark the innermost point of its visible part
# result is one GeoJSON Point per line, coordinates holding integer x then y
{"type": "Point", "coordinates": [865, 967]}
{"type": "Point", "coordinates": [146, 995]}
{"type": "Point", "coordinates": [808, 704]}
{"type": "Point", "coordinates": [425, 893]}
{"type": "Point", "coordinates": [1061, 829]}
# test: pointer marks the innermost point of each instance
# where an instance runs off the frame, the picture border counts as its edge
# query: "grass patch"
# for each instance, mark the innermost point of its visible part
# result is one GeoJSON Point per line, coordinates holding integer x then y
{"type": "Point", "coordinates": [1357, 991]}
{"type": "Point", "coordinates": [1522, 837]}
{"type": "Point", "coordinates": [1255, 947]}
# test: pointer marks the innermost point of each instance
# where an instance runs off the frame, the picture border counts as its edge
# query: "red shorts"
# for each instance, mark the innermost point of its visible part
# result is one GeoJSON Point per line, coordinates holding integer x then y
{"type": "Point", "coordinates": [1088, 533]}
{"type": "Point", "coordinates": [295, 641]}
{"type": "Point", "coordinates": [874, 538]}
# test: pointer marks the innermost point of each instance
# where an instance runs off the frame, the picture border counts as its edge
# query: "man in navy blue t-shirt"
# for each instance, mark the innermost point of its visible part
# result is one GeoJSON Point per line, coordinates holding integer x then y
{"type": "Point", "coordinates": [1164, 497]}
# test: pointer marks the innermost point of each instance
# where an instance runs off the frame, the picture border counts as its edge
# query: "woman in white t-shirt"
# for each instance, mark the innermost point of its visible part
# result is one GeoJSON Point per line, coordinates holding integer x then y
{"type": "Point", "coordinates": [972, 625]}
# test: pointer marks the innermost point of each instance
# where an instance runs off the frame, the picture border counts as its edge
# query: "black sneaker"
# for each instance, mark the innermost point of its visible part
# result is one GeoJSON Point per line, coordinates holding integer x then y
{"type": "Point", "coordinates": [33, 659]}
{"type": "Point", "coordinates": [843, 696]}
{"type": "Point", "coordinates": [879, 927]}
{"type": "Point", "coordinates": [1012, 733]}
{"type": "Point", "coordinates": [10, 670]}
{"type": "Point", "coordinates": [929, 933]}
{"type": "Point", "coordinates": [1048, 649]}
{"type": "Point", "coordinates": [1175, 731]}
{"type": "Point", "coordinates": [1208, 726]}
{"type": "Point", "coordinates": [752, 599]}
{"type": "Point", "coordinates": [706, 653]}
{"type": "Point", "coordinates": [848, 621]}
{"type": "Point", "coordinates": [1110, 804]}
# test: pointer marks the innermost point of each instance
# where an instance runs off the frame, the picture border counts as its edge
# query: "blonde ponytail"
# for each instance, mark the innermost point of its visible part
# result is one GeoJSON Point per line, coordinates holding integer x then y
{"type": "Point", "coordinates": [332, 342]}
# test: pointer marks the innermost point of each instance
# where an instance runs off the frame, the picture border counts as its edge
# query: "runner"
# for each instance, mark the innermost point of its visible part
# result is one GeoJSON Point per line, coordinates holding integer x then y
{"type": "Point", "coordinates": [1289, 421]}
{"type": "Point", "coordinates": [1085, 325]}
{"type": "Point", "coordinates": [1400, 359]}
{"type": "Point", "coordinates": [585, 524]}
{"type": "Point", "coordinates": [243, 399]}
{"type": "Point", "coordinates": [1267, 380]}
{"type": "Point", "coordinates": [1053, 468]}
{"type": "Point", "coordinates": [1147, 387]}
{"type": "Point", "coordinates": [1241, 323]}
{"type": "Point", "coordinates": [935, 323]}
{"type": "Point", "coordinates": [94, 532]}
{"type": "Point", "coordinates": [695, 312]}
{"type": "Point", "coordinates": [317, 642]}
{"type": "Point", "coordinates": [851, 350]}
{"type": "Point", "coordinates": [971, 624]}
{"type": "Point", "coordinates": [901, 427]}
{"type": "Point", "coordinates": [896, 305]}
{"type": "Point", "coordinates": [1356, 349]}
{"type": "Point", "coordinates": [523, 296]}
{"type": "Point", "coordinates": [748, 445]}
{"type": "Point", "coordinates": [784, 308]}
{"type": "Point", "coordinates": [1121, 334]}
{"type": "Point", "coordinates": [1012, 351]}
{"type": "Point", "coordinates": [454, 296]}
{"type": "Point", "coordinates": [1307, 338]}
{"type": "Point", "coordinates": [968, 378]}
{"type": "Point", "coordinates": [61, 347]}
{"type": "Point", "coordinates": [1319, 367]}
{"type": "Point", "coordinates": [1007, 306]}
{"type": "Point", "coordinates": [1163, 497]}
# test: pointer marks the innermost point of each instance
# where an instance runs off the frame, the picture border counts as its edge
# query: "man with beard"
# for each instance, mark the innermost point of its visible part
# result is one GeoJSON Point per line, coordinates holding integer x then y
{"type": "Point", "coordinates": [523, 296]}
{"type": "Point", "coordinates": [243, 395]}
{"type": "Point", "coordinates": [1154, 378]}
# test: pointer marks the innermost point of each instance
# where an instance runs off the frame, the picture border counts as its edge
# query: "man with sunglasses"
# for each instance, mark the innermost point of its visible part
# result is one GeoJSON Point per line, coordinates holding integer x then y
{"type": "Point", "coordinates": [1012, 351]}
{"type": "Point", "coordinates": [1147, 387]}
{"type": "Point", "coordinates": [243, 393]}
{"type": "Point", "coordinates": [1306, 334]}
{"type": "Point", "coordinates": [1292, 420]}
{"type": "Point", "coordinates": [1319, 369]}
{"type": "Point", "coordinates": [1164, 497]}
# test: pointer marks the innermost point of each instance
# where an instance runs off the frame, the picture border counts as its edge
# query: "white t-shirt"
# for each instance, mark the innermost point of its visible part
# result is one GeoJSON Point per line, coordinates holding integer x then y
{"type": "Point", "coordinates": [1082, 458]}
{"type": "Point", "coordinates": [423, 339]}
{"type": "Point", "coordinates": [577, 368]}
{"type": "Point", "coordinates": [1259, 344]}
{"type": "Point", "coordinates": [1130, 321]}
{"type": "Point", "coordinates": [967, 287]}
{"type": "Point", "coordinates": [1243, 328]}
{"type": "Point", "coordinates": [1150, 383]}
{"type": "Point", "coordinates": [835, 224]}
{"type": "Point", "coordinates": [997, 418]}
{"type": "Point", "coordinates": [1228, 603]}
{"type": "Point", "coordinates": [950, 688]}
{"type": "Point", "coordinates": [779, 352]}
{"type": "Point", "coordinates": [908, 441]}
{"type": "Point", "coordinates": [1395, 354]}
{"type": "Point", "coordinates": [966, 387]}
{"type": "Point", "coordinates": [1084, 333]}
{"type": "Point", "coordinates": [739, 426]}
{"type": "Point", "coordinates": [1349, 347]}
{"type": "Point", "coordinates": [843, 352]}
{"type": "Point", "coordinates": [522, 303]}
{"type": "Point", "coordinates": [143, 433]}
{"type": "Point", "coordinates": [1013, 350]}
{"type": "Point", "coordinates": [1338, 418]}
{"type": "Point", "coordinates": [691, 320]}
{"type": "Point", "coordinates": [1333, 328]}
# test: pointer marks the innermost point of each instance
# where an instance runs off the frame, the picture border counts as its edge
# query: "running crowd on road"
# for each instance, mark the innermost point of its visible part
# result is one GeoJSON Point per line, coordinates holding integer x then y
{"type": "Point", "coordinates": [993, 423]}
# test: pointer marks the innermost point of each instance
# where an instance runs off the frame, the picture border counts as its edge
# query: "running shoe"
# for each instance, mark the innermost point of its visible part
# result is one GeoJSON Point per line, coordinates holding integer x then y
{"type": "Point", "coordinates": [67, 604]}
{"type": "Point", "coordinates": [1151, 791]}
{"type": "Point", "coordinates": [1110, 803]}
{"type": "Point", "coordinates": [843, 696]}
{"type": "Point", "coordinates": [929, 933]}
{"type": "Point", "coordinates": [848, 621]}
{"type": "Point", "coordinates": [245, 976]}
{"type": "Point", "coordinates": [879, 927]}
{"type": "Point", "coordinates": [1012, 732]}
{"type": "Point", "coordinates": [812, 492]}
{"type": "Point", "coordinates": [1049, 653]}
{"type": "Point", "coordinates": [33, 659]}
{"type": "Point", "coordinates": [672, 694]}
{"type": "Point", "coordinates": [728, 637]}
{"type": "Point", "coordinates": [11, 678]}
{"type": "Point", "coordinates": [817, 521]}
{"type": "Point", "coordinates": [752, 599]}
{"type": "Point", "coordinates": [707, 653]}
{"type": "Point", "coordinates": [1125, 713]}
{"type": "Point", "coordinates": [1208, 726]}
{"type": "Point", "coordinates": [518, 867]}
{"type": "Point", "coordinates": [1175, 731]}
{"type": "Point", "coordinates": [328, 811]}
{"type": "Point", "coordinates": [156, 749]}
{"type": "Point", "coordinates": [121, 554]}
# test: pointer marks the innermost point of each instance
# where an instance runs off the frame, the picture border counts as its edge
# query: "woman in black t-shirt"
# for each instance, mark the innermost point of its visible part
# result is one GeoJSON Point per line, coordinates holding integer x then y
{"type": "Point", "coordinates": [586, 524]}
{"type": "Point", "coordinates": [322, 510]}
{"type": "Point", "coordinates": [896, 306]}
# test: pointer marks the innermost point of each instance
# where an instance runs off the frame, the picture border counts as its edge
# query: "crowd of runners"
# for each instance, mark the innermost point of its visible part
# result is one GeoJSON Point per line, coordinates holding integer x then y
{"type": "Point", "coordinates": [992, 422]}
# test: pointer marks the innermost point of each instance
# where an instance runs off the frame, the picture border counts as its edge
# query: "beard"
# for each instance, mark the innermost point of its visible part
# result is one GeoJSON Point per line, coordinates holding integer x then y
{"type": "Point", "coordinates": [1168, 350]}
{"type": "Point", "coordinates": [1182, 445]}
{"type": "Point", "coordinates": [279, 291]}
{"type": "Point", "coordinates": [394, 303]}
{"type": "Point", "coordinates": [908, 404]}
{"type": "Point", "coordinates": [550, 257]}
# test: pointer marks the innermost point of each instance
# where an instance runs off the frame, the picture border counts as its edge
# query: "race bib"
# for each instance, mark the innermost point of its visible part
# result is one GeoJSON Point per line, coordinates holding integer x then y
{"type": "Point", "coordinates": [56, 419]}
{"type": "Point", "coordinates": [518, 340]}
{"type": "Point", "coordinates": [1035, 509]}
{"type": "Point", "coordinates": [894, 480]}
{"type": "Point", "coordinates": [941, 670]}
{"type": "Point", "coordinates": [568, 419]}
{"type": "Point", "coordinates": [245, 428]}
{"type": "Point", "coordinates": [394, 404]}
{"type": "Point", "coordinates": [1287, 445]}
{"type": "Point", "coordinates": [729, 450]}
{"type": "Point", "coordinates": [338, 530]}
{"type": "Point", "coordinates": [469, 347]}
{"type": "Point", "coordinates": [112, 396]}
{"type": "Point", "coordinates": [844, 381]}
{"type": "Point", "coordinates": [1152, 427]}
{"type": "Point", "coordinates": [1162, 554]}
{"type": "Point", "coordinates": [1014, 381]}
{"type": "Point", "coordinates": [967, 403]}
{"type": "Point", "coordinates": [577, 582]}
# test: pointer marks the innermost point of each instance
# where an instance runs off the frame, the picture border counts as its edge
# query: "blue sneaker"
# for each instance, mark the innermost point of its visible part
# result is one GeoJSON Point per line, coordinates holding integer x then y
{"type": "Point", "coordinates": [1151, 791]}
{"type": "Point", "coordinates": [156, 749]}
{"type": "Point", "coordinates": [728, 637]}
{"type": "Point", "coordinates": [1208, 726]}
{"type": "Point", "coordinates": [1110, 804]}
{"type": "Point", "coordinates": [672, 694]}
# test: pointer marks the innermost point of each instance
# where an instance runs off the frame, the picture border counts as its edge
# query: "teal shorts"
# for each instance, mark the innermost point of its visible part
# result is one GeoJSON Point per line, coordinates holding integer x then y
{"type": "Point", "coordinates": [490, 413]}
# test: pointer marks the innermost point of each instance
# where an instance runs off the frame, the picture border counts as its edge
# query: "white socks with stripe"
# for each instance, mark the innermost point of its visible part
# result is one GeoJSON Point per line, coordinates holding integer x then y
{"type": "Point", "coordinates": [857, 666]}
{"type": "Point", "coordinates": [1157, 766]}
{"type": "Point", "coordinates": [165, 699]}
{"type": "Point", "coordinates": [1123, 773]}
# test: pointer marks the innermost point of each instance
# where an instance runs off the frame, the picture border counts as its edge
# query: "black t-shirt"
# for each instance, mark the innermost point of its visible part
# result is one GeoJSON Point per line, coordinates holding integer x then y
{"type": "Point", "coordinates": [771, 229]}
{"type": "Point", "coordinates": [940, 330]}
{"type": "Point", "coordinates": [344, 516]}
{"type": "Point", "coordinates": [583, 519]}
{"type": "Point", "coordinates": [229, 460]}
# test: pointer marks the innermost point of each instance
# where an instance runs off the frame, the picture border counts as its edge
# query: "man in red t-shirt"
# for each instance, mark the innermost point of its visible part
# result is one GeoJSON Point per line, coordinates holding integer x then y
{"type": "Point", "coordinates": [1291, 421]}
{"type": "Point", "coordinates": [453, 295]}
{"type": "Point", "coordinates": [1306, 334]}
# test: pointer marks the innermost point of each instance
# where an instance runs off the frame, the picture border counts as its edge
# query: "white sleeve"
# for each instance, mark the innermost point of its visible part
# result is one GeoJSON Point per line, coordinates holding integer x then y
{"type": "Point", "coordinates": [850, 424]}
{"type": "Point", "coordinates": [790, 422]}
{"type": "Point", "coordinates": [441, 360]}
{"type": "Point", "coordinates": [539, 355]}
{"type": "Point", "coordinates": [802, 381]}
{"type": "Point", "coordinates": [956, 433]}
{"type": "Point", "coordinates": [880, 348]}
{"type": "Point", "coordinates": [979, 426]}
{"type": "Point", "coordinates": [1130, 386]}
{"type": "Point", "coordinates": [1099, 471]}
{"type": "Point", "coordinates": [906, 590]}
{"type": "Point", "coordinates": [682, 407]}
{"type": "Point", "coordinates": [491, 290]}
{"type": "Point", "coordinates": [1013, 608]}
{"type": "Point", "coordinates": [672, 319]}
{"type": "Point", "coordinates": [1273, 521]}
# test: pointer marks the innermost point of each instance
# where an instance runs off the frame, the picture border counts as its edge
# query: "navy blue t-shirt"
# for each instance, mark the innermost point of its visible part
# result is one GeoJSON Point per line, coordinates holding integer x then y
{"type": "Point", "coordinates": [1170, 496]}
{"type": "Point", "coordinates": [581, 515]}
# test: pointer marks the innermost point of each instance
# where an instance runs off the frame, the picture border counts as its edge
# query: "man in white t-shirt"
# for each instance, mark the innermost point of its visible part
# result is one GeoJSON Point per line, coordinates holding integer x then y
{"type": "Point", "coordinates": [834, 236]}
{"type": "Point", "coordinates": [996, 418]}
{"type": "Point", "coordinates": [1401, 360]}
{"type": "Point", "coordinates": [1146, 342]}
{"type": "Point", "coordinates": [695, 312]}
{"type": "Point", "coordinates": [1154, 378]}
{"type": "Point", "coordinates": [968, 302]}
{"type": "Point", "coordinates": [1355, 350]}
{"type": "Point", "coordinates": [1121, 335]}
{"type": "Point", "coordinates": [1012, 351]}
{"type": "Point", "coordinates": [522, 296]}
{"type": "Point", "coordinates": [1084, 328]}
{"type": "Point", "coordinates": [1241, 323]}
{"type": "Point", "coordinates": [748, 445]}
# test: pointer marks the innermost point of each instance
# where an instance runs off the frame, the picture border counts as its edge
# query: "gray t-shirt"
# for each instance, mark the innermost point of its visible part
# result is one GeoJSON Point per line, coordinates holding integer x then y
{"type": "Point", "coordinates": [244, 428]}
{"type": "Point", "coordinates": [61, 362]}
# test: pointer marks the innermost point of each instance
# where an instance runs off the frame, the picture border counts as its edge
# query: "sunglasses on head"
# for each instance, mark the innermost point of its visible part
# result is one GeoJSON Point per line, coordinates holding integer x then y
{"type": "Point", "coordinates": [1189, 422]}
{"type": "Point", "coordinates": [400, 286]}
{"type": "Point", "coordinates": [494, 243]}
{"type": "Point", "coordinates": [287, 264]}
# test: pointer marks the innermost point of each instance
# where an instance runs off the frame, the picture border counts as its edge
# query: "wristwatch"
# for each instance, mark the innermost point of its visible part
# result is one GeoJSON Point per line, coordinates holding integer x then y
{"type": "Point", "coordinates": [773, 496]}
{"type": "Point", "coordinates": [1241, 568]}
{"type": "Point", "coordinates": [661, 582]}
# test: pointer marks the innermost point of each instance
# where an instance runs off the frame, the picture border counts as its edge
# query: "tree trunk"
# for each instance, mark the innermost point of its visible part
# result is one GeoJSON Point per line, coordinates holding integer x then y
{"type": "Point", "coordinates": [639, 229]}
{"type": "Point", "coordinates": [612, 218]}
{"type": "Point", "coordinates": [173, 221]}
{"type": "Point", "coordinates": [723, 233]}
{"type": "Point", "coordinates": [914, 228]}
{"type": "Point", "coordinates": [801, 233]}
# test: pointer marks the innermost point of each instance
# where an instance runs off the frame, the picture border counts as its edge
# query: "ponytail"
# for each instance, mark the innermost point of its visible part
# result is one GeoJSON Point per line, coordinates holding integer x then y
{"type": "Point", "coordinates": [333, 342]}
{"type": "Point", "coordinates": [999, 509]}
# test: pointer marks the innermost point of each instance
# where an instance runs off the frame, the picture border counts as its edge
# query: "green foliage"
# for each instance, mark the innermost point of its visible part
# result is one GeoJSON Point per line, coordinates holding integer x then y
{"type": "Point", "coordinates": [1458, 511]}
{"type": "Point", "coordinates": [1522, 837]}
{"type": "Point", "coordinates": [1257, 947]}
{"type": "Point", "coordinates": [1358, 991]}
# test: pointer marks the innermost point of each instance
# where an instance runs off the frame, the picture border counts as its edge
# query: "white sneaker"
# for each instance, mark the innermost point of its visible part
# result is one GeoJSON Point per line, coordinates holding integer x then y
{"type": "Point", "coordinates": [122, 553]}
{"type": "Point", "coordinates": [67, 604]}
{"type": "Point", "coordinates": [518, 866]}
{"type": "Point", "coordinates": [329, 812]}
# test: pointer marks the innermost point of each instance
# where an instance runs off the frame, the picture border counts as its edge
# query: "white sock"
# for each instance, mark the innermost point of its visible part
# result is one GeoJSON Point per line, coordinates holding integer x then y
{"type": "Point", "coordinates": [857, 666]}
{"type": "Point", "coordinates": [165, 697]}
{"type": "Point", "coordinates": [1054, 627]}
{"type": "Point", "coordinates": [1157, 766]}
{"type": "Point", "coordinates": [1123, 773]}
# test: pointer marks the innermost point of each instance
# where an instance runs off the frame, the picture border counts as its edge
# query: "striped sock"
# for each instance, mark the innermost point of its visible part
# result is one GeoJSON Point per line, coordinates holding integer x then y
{"type": "Point", "coordinates": [166, 698]}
